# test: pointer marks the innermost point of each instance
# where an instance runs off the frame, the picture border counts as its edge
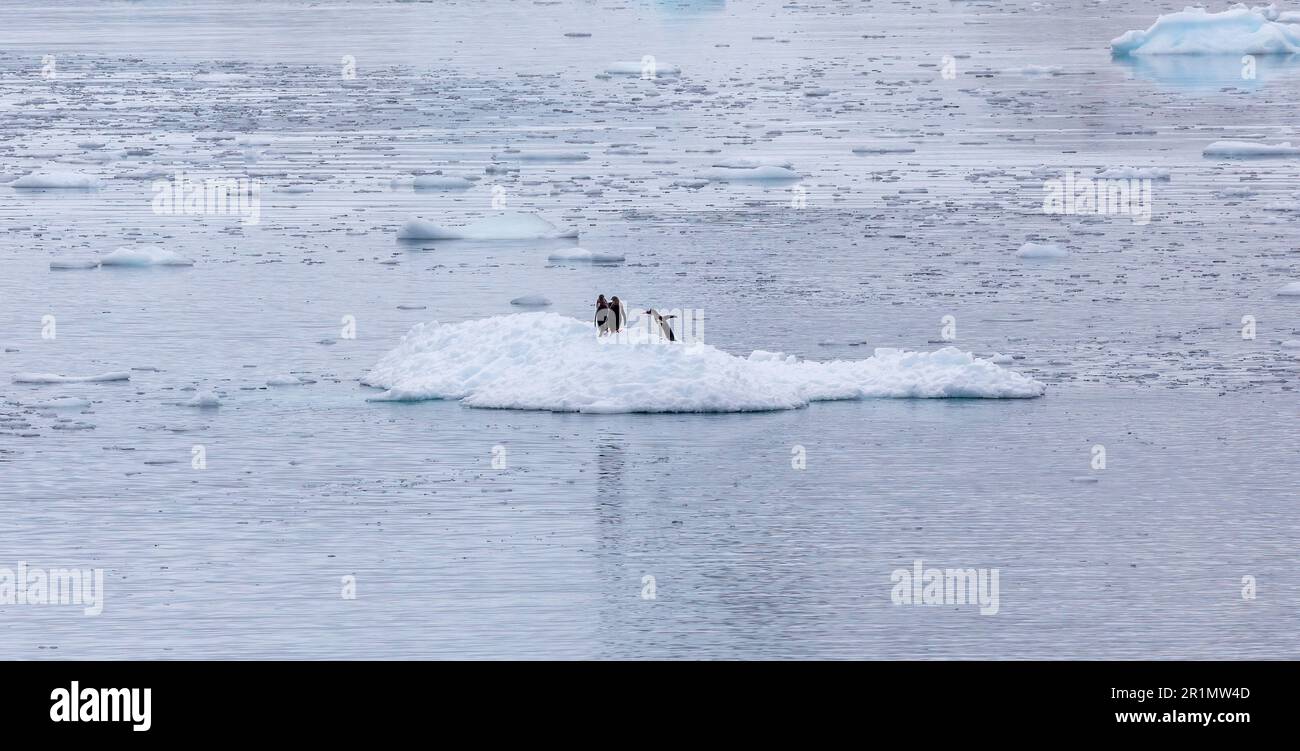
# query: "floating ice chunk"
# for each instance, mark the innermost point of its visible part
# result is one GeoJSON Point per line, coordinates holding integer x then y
{"type": "Point", "coordinates": [503, 226]}
{"type": "Point", "coordinates": [1290, 290]}
{"type": "Point", "coordinates": [440, 182]}
{"type": "Point", "coordinates": [542, 156]}
{"type": "Point", "coordinates": [531, 301]}
{"type": "Point", "coordinates": [750, 163]}
{"type": "Point", "coordinates": [58, 180]}
{"type": "Point", "coordinates": [284, 380]}
{"type": "Point", "coordinates": [62, 402]}
{"type": "Point", "coordinates": [1291, 344]}
{"type": "Point", "coordinates": [883, 147]}
{"type": "Point", "coordinates": [63, 264]}
{"type": "Point", "coordinates": [1134, 173]}
{"type": "Point", "coordinates": [144, 255]}
{"type": "Point", "coordinates": [1037, 70]}
{"type": "Point", "coordinates": [725, 173]}
{"type": "Point", "coordinates": [1041, 250]}
{"type": "Point", "coordinates": [1236, 31]}
{"type": "Point", "coordinates": [584, 255]}
{"type": "Point", "coordinates": [221, 78]}
{"type": "Point", "coordinates": [116, 375]}
{"type": "Point", "coordinates": [202, 400]}
{"type": "Point", "coordinates": [144, 173]}
{"type": "Point", "coordinates": [637, 68]}
{"type": "Point", "coordinates": [1001, 359]}
{"type": "Point", "coordinates": [1245, 149]}
{"type": "Point", "coordinates": [545, 361]}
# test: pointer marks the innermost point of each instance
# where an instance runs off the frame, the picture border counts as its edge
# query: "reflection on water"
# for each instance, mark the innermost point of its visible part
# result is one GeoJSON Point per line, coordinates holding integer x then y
{"type": "Point", "coordinates": [1214, 71]}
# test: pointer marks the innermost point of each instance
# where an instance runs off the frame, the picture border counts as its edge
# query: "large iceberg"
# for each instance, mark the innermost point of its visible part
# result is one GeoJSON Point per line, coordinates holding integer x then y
{"type": "Point", "coordinates": [1236, 31]}
{"type": "Point", "coordinates": [508, 225]}
{"type": "Point", "coordinates": [551, 362]}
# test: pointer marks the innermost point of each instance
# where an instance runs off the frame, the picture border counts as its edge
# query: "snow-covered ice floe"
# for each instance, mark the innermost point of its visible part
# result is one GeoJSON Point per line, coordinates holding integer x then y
{"type": "Point", "coordinates": [1289, 290]}
{"type": "Point", "coordinates": [144, 255]}
{"type": "Point", "coordinates": [642, 67]}
{"type": "Point", "coordinates": [544, 361]}
{"type": "Point", "coordinates": [531, 301]}
{"type": "Point", "coordinates": [542, 156]}
{"type": "Point", "coordinates": [62, 402]}
{"type": "Point", "coordinates": [1041, 250]}
{"type": "Point", "coordinates": [1247, 149]}
{"type": "Point", "coordinates": [58, 180]}
{"type": "Point", "coordinates": [1133, 173]}
{"type": "Point", "coordinates": [884, 147]}
{"type": "Point", "coordinates": [508, 225]}
{"type": "Point", "coordinates": [582, 255]}
{"type": "Point", "coordinates": [750, 169]}
{"type": "Point", "coordinates": [1236, 31]}
{"type": "Point", "coordinates": [202, 400]}
{"type": "Point", "coordinates": [55, 378]}
{"type": "Point", "coordinates": [431, 182]}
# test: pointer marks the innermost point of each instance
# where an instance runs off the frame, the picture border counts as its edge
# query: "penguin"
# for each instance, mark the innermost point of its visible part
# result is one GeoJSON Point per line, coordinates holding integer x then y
{"type": "Point", "coordinates": [604, 317]}
{"type": "Point", "coordinates": [620, 313]}
{"type": "Point", "coordinates": [664, 326]}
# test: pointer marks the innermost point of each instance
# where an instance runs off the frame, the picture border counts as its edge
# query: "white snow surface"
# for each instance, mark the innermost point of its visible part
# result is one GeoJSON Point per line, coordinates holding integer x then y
{"type": "Point", "coordinates": [507, 225]}
{"type": "Point", "coordinates": [1194, 31]}
{"type": "Point", "coordinates": [545, 361]}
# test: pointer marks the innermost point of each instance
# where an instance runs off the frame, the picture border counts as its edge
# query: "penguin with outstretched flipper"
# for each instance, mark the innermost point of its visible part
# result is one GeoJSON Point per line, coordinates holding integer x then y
{"type": "Point", "coordinates": [664, 327]}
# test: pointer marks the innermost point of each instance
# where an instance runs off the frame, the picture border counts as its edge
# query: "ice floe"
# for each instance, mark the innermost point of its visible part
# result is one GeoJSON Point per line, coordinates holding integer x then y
{"type": "Point", "coordinates": [58, 180]}
{"type": "Point", "coordinates": [1194, 31]}
{"type": "Point", "coordinates": [531, 301]}
{"type": "Point", "coordinates": [545, 361]}
{"type": "Point", "coordinates": [650, 68]}
{"type": "Point", "coordinates": [750, 169]}
{"type": "Point", "coordinates": [144, 255]}
{"type": "Point", "coordinates": [116, 375]}
{"type": "Point", "coordinates": [203, 400]}
{"type": "Point", "coordinates": [582, 255]}
{"type": "Point", "coordinates": [1246, 149]}
{"type": "Point", "coordinates": [1041, 250]}
{"type": "Point", "coordinates": [884, 147]}
{"type": "Point", "coordinates": [1290, 290]}
{"type": "Point", "coordinates": [542, 156]}
{"type": "Point", "coordinates": [67, 264]}
{"type": "Point", "coordinates": [62, 402]}
{"type": "Point", "coordinates": [503, 226]}
{"type": "Point", "coordinates": [1133, 173]}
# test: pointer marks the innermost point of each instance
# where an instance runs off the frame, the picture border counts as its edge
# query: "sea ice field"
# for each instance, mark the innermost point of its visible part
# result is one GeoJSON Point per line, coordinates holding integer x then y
{"type": "Point", "coordinates": [349, 403]}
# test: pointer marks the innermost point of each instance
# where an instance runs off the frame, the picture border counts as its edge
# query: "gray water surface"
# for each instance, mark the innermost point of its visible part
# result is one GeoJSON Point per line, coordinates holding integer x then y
{"type": "Point", "coordinates": [1137, 334]}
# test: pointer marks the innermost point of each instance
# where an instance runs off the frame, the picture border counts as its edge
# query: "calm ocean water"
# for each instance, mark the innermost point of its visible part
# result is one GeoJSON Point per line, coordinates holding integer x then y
{"type": "Point", "coordinates": [1137, 334]}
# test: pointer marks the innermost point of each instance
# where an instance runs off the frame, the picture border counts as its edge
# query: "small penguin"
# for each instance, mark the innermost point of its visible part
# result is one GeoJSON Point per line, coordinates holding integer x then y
{"type": "Point", "coordinates": [604, 317]}
{"type": "Point", "coordinates": [664, 326]}
{"type": "Point", "coordinates": [620, 313]}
